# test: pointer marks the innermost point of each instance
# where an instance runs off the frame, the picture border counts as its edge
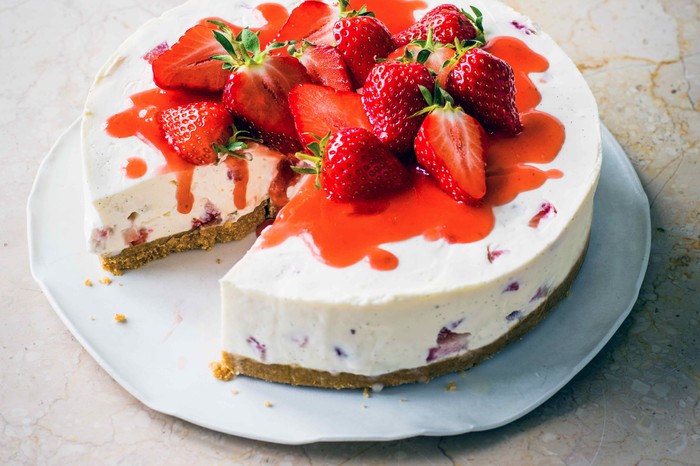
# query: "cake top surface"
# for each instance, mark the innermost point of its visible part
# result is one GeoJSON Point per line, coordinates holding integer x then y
{"type": "Point", "coordinates": [426, 265]}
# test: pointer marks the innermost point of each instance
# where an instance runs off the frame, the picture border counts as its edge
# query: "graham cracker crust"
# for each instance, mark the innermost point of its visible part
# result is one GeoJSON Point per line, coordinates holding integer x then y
{"type": "Point", "coordinates": [295, 375]}
{"type": "Point", "coordinates": [199, 238]}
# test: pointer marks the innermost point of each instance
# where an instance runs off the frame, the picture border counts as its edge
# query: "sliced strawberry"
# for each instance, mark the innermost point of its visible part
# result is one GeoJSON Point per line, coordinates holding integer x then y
{"type": "Point", "coordinates": [361, 39]}
{"type": "Point", "coordinates": [188, 64]}
{"type": "Point", "coordinates": [193, 130]}
{"type": "Point", "coordinates": [311, 20]}
{"type": "Point", "coordinates": [257, 95]}
{"type": "Point", "coordinates": [391, 97]}
{"type": "Point", "coordinates": [326, 66]}
{"type": "Point", "coordinates": [319, 110]}
{"type": "Point", "coordinates": [452, 147]}
{"type": "Point", "coordinates": [484, 85]}
{"type": "Point", "coordinates": [448, 23]}
{"type": "Point", "coordinates": [353, 165]}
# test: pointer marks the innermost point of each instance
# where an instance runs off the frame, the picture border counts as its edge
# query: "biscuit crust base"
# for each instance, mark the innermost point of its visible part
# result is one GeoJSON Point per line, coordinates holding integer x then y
{"type": "Point", "coordinates": [295, 375]}
{"type": "Point", "coordinates": [199, 238]}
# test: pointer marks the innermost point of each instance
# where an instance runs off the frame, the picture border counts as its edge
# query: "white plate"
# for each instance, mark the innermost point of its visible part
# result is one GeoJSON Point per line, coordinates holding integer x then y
{"type": "Point", "coordinates": [161, 355]}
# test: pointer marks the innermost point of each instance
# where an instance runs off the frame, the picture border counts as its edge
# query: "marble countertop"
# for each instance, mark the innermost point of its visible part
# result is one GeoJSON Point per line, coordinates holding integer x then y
{"type": "Point", "coordinates": [637, 402]}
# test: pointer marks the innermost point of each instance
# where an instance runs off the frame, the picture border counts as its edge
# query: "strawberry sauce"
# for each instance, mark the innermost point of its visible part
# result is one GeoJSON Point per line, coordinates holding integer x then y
{"type": "Point", "coordinates": [240, 175]}
{"type": "Point", "coordinates": [140, 121]}
{"type": "Point", "coordinates": [273, 14]}
{"type": "Point", "coordinates": [134, 167]}
{"type": "Point", "coordinates": [396, 15]}
{"type": "Point", "coordinates": [342, 234]}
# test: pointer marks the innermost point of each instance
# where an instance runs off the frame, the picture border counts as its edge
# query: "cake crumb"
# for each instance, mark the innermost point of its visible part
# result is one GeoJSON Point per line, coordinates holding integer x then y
{"type": "Point", "coordinates": [451, 387]}
{"type": "Point", "coordinates": [403, 400]}
{"type": "Point", "coordinates": [106, 281]}
{"type": "Point", "coordinates": [365, 393]}
{"type": "Point", "coordinates": [364, 406]}
{"type": "Point", "coordinates": [88, 282]}
{"type": "Point", "coordinates": [92, 317]}
{"type": "Point", "coordinates": [120, 318]}
{"type": "Point", "coordinates": [377, 387]}
{"type": "Point", "coordinates": [234, 392]}
{"type": "Point", "coordinates": [268, 404]}
{"type": "Point", "coordinates": [218, 261]}
{"type": "Point", "coordinates": [221, 372]}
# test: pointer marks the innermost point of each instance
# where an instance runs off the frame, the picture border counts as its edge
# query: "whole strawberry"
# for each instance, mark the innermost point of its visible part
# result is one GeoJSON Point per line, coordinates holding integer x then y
{"type": "Point", "coordinates": [448, 23]}
{"type": "Point", "coordinates": [484, 85]}
{"type": "Point", "coordinates": [391, 97]}
{"type": "Point", "coordinates": [353, 165]}
{"type": "Point", "coordinates": [194, 130]}
{"type": "Point", "coordinates": [361, 39]}
{"type": "Point", "coordinates": [452, 147]}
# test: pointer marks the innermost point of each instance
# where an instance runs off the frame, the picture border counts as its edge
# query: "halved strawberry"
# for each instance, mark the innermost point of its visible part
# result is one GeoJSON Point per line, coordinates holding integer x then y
{"type": "Point", "coordinates": [257, 95]}
{"type": "Point", "coordinates": [452, 147]}
{"type": "Point", "coordinates": [311, 20]}
{"type": "Point", "coordinates": [195, 130]}
{"type": "Point", "coordinates": [361, 39]}
{"type": "Point", "coordinates": [319, 110]}
{"type": "Point", "coordinates": [258, 87]}
{"type": "Point", "coordinates": [188, 64]}
{"type": "Point", "coordinates": [448, 23]}
{"type": "Point", "coordinates": [354, 165]}
{"type": "Point", "coordinates": [484, 85]}
{"type": "Point", "coordinates": [391, 97]}
{"type": "Point", "coordinates": [324, 64]}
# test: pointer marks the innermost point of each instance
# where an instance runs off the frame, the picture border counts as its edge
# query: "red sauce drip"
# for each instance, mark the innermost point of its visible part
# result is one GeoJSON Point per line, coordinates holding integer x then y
{"type": "Point", "coordinates": [523, 61]}
{"type": "Point", "coordinates": [274, 15]}
{"type": "Point", "coordinates": [134, 167]}
{"type": "Point", "coordinates": [284, 178]}
{"type": "Point", "coordinates": [397, 15]}
{"type": "Point", "coordinates": [140, 121]}
{"type": "Point", "coordinates": [240, 175]}
{"type": "Point", "coordinates": [342, 234]}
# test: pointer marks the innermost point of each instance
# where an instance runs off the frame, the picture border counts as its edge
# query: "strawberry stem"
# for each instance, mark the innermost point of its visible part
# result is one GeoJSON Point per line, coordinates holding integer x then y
{"type": "Point", "coordinates": [317, 149]}
{"type": "Point", "coordinates": [345, 12]}
{"type": "Point", "coordinates": [243, 49]}
{"type": "Point", "coordinates": [438, 98]}
{"type": "Point", "coordinates": [235, 146]}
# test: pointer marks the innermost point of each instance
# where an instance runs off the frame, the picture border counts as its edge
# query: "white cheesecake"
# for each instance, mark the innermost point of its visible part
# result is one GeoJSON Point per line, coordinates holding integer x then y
{"type": "Point", "coordinates": [291, 315]}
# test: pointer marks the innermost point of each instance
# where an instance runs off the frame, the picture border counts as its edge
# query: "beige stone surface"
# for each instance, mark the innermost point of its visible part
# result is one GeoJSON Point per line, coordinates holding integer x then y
{"type": "Point", "coordinates": [635, 403]}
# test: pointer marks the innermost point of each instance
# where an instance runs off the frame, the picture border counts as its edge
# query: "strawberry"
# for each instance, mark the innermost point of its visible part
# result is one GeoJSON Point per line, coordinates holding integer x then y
{"type": "Point", "coordinates": [195, 130]}
{"type": "Point", "coordinates": [319, 110]}
{"type": "Point", "coordinates": [452, 147]}
{"type": "Point", "coordinates": [448, 23]}
{"type": "Point", "coordinates": [435, 56]}
{"type": "Point", "coordinates": [391, 97]}
{"type": "Point", "coordinates": [258, 87]}
{"type": "Point", "coordinates": [361, 39]}
{"type": "Point", "coordinates": [324, 64]}
{"type": "Point", "coordinates": [434, 61]}
{"type": "Point", "coordinates": [353, 165]}
{"type": "Point", "coordinates": [311, 20]}
{"type": "Point", "coordinates": [484, 85]}
{"type": "Point", "coordinates": [188, 64]}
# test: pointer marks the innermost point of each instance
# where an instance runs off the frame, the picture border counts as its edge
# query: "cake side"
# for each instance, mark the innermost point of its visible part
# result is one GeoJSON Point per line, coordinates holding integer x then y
{"type": "Point", "coordinates": [297, 375]}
